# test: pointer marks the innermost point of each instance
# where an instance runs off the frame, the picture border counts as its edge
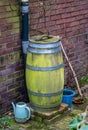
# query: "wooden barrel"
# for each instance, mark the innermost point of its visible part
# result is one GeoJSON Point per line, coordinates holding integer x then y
{"type": "Point", "coordinates": [45, 73]}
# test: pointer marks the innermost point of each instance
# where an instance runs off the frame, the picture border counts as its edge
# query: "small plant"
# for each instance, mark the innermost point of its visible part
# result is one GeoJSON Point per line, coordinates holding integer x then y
{"type": "Point", "coordinates": [5, 122]}
{"type": "Point", "coordinates": [83, 80]}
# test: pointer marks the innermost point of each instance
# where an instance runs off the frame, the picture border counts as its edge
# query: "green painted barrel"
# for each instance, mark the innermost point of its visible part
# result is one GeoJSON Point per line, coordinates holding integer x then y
{"type": "Point", "coordinates": [45, 73]}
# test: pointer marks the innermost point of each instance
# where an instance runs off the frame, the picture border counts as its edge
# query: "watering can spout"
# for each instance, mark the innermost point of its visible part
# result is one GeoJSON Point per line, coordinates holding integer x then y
{"type": "Point", "coordinates": [14, 107]}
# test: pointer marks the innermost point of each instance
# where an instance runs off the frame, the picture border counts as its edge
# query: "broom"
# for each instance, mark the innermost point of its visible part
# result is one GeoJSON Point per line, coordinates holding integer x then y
{"type": "Point", "coordinates": [74, 74]}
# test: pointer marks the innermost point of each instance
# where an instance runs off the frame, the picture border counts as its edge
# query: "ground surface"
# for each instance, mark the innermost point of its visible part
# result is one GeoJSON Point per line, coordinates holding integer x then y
{"type": "Point", "coordinates": [8, 122]}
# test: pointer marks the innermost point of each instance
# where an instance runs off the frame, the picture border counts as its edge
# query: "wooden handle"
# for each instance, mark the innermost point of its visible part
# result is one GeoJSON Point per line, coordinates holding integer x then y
{"type": "Point", "coordinates": [74, 74]}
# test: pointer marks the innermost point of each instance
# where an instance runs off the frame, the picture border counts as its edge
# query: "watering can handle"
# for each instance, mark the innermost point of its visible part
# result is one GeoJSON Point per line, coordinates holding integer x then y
{"type": "Point", "coordinates": [86, 110]}
{"type": "Point", "coordinates": [79, 125]}
{"type": "Point", "coordinates": [29, 112]}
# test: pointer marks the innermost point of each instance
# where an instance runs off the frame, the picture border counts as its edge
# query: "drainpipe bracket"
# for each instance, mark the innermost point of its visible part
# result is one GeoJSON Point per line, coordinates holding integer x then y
{"type": "Point", "coordinates": [25, 46]}
{"type": "Point", "coordinates": [25, 9]}
{"type": "Point", "coordinates": [24, 0]}
{"type": "Point", "coordinates": [25, 6]}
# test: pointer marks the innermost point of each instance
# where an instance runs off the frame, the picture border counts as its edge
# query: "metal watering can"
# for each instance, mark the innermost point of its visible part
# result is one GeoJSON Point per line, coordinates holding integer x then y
{"type": "Point", "coordinates": [81, 122]}
{"type": "Point", "coordinates": [21, 111]}
{"type": "Point", "coordinates": [82, 126]}
{"type": "Point", "coordinates": [78, 124]}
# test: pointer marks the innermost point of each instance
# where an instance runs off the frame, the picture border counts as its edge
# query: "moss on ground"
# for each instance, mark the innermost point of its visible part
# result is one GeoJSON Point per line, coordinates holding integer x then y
{"type": "Point", "coordinates": [8, 122]}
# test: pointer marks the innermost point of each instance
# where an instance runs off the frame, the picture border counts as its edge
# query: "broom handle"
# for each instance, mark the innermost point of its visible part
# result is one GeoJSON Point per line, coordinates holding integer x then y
{"type": "Point", "coordinates": [74, 74]}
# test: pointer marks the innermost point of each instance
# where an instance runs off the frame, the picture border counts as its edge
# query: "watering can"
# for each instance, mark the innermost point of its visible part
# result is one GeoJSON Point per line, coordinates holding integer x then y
{"type": "Point", "coordinates": [82, 126]}
{"type": "Point", "coordinates": [73, 124]}
{"type": "Point", "coordinates": [21, 111]}
{"type": "Point", "coordinates": [81, 122]}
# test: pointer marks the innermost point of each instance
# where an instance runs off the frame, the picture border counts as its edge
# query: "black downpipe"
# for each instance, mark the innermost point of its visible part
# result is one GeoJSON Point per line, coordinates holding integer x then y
{"type": "Point", "coordinates": [25, 41]}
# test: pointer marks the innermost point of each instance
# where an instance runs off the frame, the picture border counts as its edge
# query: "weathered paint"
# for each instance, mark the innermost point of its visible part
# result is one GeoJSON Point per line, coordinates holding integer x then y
{"type": "Point", "coordinates": [45, 81]}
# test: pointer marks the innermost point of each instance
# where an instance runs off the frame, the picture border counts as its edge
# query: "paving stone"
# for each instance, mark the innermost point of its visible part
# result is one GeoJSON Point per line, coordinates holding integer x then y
{"type": "Point", "coordinates": [50, 116]}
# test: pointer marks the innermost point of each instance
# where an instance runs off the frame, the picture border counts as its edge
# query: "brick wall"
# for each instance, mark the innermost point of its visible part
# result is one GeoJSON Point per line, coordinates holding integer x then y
{"type": "Point", "coordinates": [67, 18]}
{"type": "Point", "coordinates": [11, 63]}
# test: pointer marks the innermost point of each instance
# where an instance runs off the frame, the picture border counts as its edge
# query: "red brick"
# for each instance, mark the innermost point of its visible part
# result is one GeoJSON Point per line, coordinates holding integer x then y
{"type": "Point", "coordinates": [6, 39]}
{"type": "Point", "coordinates": [83, 21]}
{"type": "Point", "coordinates": [55, 17]}
{"type": "Point", "coordinates": [2, 9]}
{"type": "Point", "coordinates": [2, 21]}
{"type": "Point", "coordinates": [83, 2]}
{"type": "Point", "coordinates": [13, 44]}
{"type": "Point", "coordinates": [65, 15]}
{"type": "Point", "coordinates": [75, 13]}
{"type": "Point", "coordinates": [75, 3]}
{"type": "Point", "coordinates": [7, 51]}
{"type": "Point", "coordinates": [74, 23]}
{"type": "Point", "coordinates": [83, 12]}
{"type": "Point", "coordinates": [66, 5]}
{"type": "Point", "coordinates": [79, 17]}
{"type": "Point", "coordinates": [6, 27]}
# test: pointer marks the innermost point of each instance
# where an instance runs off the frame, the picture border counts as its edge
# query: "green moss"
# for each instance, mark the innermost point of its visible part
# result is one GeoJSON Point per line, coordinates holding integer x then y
{"type": "Point", "coordinates": [83, 80]}
{"type": "Point", "coordinates": [16, 25]}
{"type": "Point", "coordinates": [12, 8]}
{"type": "Point", "coordinates": [3, 2]}
{"type": "Point", "coordinates": [17, 30]}
{"type": "Point", "coordinates": [16, 56]}
{"type": "Point", "coordinates": [2, 78]}
{"type": "Point", "coordinates": [13, 19]}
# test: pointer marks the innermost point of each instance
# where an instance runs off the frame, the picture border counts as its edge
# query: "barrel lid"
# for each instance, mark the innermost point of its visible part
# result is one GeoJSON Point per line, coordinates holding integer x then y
{"type": "Point", "coordinates": [44, 39]}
